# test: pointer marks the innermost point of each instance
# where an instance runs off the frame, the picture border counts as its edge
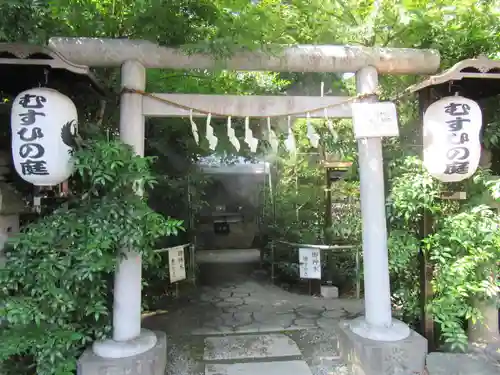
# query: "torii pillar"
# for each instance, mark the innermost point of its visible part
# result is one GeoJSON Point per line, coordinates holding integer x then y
{"type": "Point", "coordinates": [368, 345]}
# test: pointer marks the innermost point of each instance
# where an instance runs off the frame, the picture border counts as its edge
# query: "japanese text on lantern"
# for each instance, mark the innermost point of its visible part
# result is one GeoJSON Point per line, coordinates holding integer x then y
{"type": "Point", "coordinates": [31, 151]}
{"type": "Point", "coordinates": [458, 153]}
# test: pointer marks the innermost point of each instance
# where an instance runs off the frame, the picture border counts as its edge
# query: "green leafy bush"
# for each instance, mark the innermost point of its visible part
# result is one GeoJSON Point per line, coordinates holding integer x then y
{"type": "Point", "coordinates": [464, 251]}
{"type": "Point", "coordinates": [295, 208]}
{"type": "Point", "coordinates": [463, 247]}
{"type": "Point", "coordinates": [56, 286]}
{"type": "Point", "coordinates": [403, 269]}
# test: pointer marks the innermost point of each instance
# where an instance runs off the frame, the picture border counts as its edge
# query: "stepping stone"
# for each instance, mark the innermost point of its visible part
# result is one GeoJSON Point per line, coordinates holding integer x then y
{"type": "Point", "coordinates": [334, 314]}
{"type": "Point", "coordinates": [244, 309]}
{"type": "Point", "coordinates": [237, 319]}
{"type": "Point", "coordinates": [305, 323]}
{"type": "Point", "coordinates": [309, 312]}
{"type": "Point", "coordinates": [327, 323]}
{"type": "Point", "coordinates": [257, 328]}
{"type": "Point", "coordinates": [208, 331]}
{"type": "Point", "coordinates": [249, 347]}
{"type": "Point", "coordinates": [281, 321]}
{"type": "Point", "coordinates": [264, 368]}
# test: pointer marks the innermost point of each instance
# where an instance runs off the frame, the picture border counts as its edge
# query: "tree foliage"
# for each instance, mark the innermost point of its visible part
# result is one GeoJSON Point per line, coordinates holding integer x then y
{"type": "Point", "coordinates": [55, 285]}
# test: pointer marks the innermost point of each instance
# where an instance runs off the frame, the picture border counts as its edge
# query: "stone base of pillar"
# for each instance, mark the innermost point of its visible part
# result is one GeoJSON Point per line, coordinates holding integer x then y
{"type": "Point", "coordinates": [397, 332]}
{"type": "Point", "coordinates": [370, 357]}
{"type": "Point", "coordinates": [123, 349]}
{"type": "Point", "coordinates": [150, 362]}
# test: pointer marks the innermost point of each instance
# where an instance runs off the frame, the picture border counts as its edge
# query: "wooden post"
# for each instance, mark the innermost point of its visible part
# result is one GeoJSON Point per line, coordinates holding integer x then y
{"type": "Point", "coordinates": [328, 207]}
{"type": "Point", "coordinates": [273, 184]}
{"type": "Point", "coordinates": [327, 224]}
{"type": "Point", "coordinates": [425, 267]}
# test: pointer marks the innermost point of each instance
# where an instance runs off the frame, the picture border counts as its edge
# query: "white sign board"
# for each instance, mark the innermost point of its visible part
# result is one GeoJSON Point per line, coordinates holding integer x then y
{"type": "Point", "coordinates": [375, 120]}
{"type": "Point", "coordinates": [451, 136]}
{"type": "Point", "coordinates": [176, 264]}
{"type": "Point", "coordinates": [310, 263]}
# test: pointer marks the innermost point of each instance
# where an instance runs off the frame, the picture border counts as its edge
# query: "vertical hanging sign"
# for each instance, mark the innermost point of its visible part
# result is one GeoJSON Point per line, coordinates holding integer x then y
{"type": "Point", "coordinates": [451, 135]}
{"type": "Point", "coordinates": [44, 124]}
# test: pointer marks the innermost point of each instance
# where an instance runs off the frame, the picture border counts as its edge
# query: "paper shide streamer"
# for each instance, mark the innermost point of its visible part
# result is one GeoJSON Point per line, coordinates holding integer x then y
{"type": "Point", "coordinates": [194, 128]}
{"type": "Point", "coordinates": [312, 135]}
{"type": "Point", "coordinates": [272, 138]}
{"type": "Point", "coordinates": [290, 144]}
{"type": "Point", "coordinates": [250, 140]}
{"type": "Point", "coordinates": [232, 136]}
{"type": "Point", "coordinates": [210, 136]}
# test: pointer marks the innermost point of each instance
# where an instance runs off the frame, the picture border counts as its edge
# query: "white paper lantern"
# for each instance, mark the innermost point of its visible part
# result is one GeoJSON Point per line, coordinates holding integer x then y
{"type": "Point", "coordinates": [44, 123]}
{"type": "Point", "coordinates": [451, 135]}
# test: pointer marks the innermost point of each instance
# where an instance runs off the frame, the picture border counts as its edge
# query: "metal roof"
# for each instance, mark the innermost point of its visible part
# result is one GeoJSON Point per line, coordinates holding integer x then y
{"type": "Point", "coordinates": [477, 78]}
{"type": "Point", "coordinates": [22, 65]}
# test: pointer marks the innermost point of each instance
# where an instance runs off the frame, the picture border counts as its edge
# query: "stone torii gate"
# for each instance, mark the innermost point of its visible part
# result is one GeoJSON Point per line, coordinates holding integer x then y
{"type": "Point", "coordinates": [143, 352]}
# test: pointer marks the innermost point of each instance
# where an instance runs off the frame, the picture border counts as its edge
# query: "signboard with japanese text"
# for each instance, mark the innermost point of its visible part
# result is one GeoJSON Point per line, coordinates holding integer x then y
{"type": "Point", "coordinates": [451, 136]}
{"type": "Point", "coordinates": [176, 264]}
{"type": "Point", "coordinates": [375, 120]}
{"type": "Point", "coordinates": [44, 124]}
{"type": "Point", "coordinates": [310, 263]}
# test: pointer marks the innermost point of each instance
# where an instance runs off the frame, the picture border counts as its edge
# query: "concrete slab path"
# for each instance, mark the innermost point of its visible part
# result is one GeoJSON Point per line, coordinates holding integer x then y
{"type": "Point", "coordinates": [249, 327]}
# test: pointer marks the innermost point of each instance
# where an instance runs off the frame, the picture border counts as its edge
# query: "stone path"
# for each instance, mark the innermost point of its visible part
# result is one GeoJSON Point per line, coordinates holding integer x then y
{"type": "Point", "coordinates": [251, 354]}
{"type": "Point", "coordinates": [251, 327]}
{"type": "Point", "coordinates": [461, 364]}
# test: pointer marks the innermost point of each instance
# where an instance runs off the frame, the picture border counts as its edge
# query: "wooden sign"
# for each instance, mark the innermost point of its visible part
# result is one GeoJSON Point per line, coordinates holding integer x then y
{"type": "Point", "coordinates": [310, 263]}
{"type": "Point", "coordinates": [176, 264]}
{"type": "Point", "coordinates": [374, 120]}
